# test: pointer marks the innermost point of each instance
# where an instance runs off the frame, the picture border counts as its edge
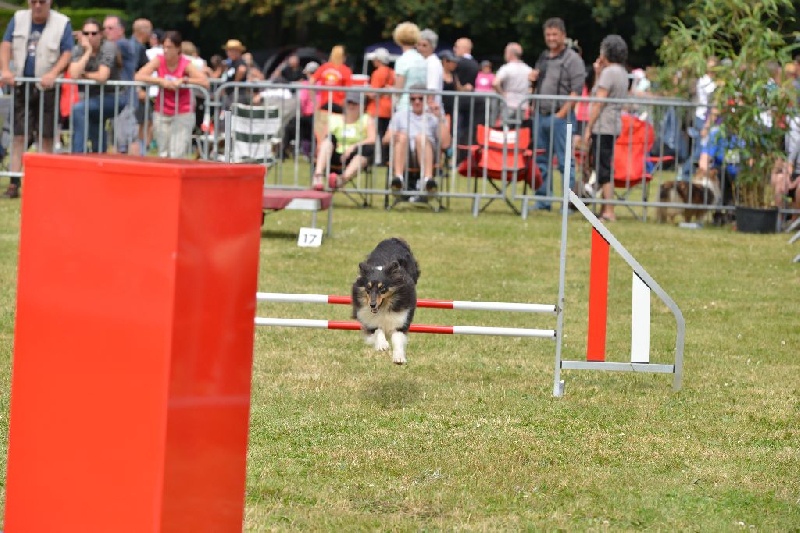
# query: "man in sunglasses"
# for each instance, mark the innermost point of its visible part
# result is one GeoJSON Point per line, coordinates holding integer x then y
{"type": "Point", "coordinates": [417, 133]}
{"type": "Point", "coordinates": [39, 41]}
{"type": "Point", "coordinates": [97, 59]}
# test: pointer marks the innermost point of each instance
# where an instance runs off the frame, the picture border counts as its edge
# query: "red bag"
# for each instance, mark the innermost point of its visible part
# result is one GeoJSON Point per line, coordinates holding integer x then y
{"type": "Point", "coordinates": [70, 94]}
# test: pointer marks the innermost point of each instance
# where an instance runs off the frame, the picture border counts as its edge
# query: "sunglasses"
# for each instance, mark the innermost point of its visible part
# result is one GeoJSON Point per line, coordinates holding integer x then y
{"type": "Point", "coordinates": [416, 98]}
{"type": "Point", "coordinates": [90, 32]}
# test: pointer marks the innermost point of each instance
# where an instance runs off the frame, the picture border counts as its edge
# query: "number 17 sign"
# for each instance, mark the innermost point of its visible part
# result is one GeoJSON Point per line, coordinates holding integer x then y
{"type": "Point", "coordinates": [309, 237]}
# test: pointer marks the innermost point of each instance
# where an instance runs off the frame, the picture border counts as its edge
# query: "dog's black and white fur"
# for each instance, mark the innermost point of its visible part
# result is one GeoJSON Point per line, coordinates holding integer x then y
{"type": "Point", "coordinates": [385, 296]}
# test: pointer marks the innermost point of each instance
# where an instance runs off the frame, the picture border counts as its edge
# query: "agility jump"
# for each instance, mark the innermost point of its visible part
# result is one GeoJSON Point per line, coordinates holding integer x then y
{"type": "Point", "coordinates": [352, 325]}
{"type": "Point", "coordinates": [603, 241]}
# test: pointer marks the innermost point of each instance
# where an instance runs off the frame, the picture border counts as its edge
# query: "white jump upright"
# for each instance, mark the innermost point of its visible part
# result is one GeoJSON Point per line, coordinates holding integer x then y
{"type": "Point", "coordinates": [642, 286]}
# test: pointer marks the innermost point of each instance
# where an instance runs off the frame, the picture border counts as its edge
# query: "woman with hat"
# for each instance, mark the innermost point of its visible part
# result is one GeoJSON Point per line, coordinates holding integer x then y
{"type": "Point", "coordinates": [380, 105]}
{"type": "Point", "coordinates": [308, 102]}
{"type": "Point", "coordinates": [235, 68]}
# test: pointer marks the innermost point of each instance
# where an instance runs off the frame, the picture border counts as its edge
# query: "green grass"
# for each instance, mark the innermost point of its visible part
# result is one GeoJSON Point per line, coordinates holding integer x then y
{"type": "Point", "coordinates": [468, 435]}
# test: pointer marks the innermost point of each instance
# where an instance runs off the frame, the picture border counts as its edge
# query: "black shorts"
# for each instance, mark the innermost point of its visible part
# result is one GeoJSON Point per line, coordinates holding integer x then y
{"type": "Point", "coordinates": [366, 150]}
{"type": "Point", "coordinates": [601, 156]}
{"type": "Point", "coordinates": [34, 111]}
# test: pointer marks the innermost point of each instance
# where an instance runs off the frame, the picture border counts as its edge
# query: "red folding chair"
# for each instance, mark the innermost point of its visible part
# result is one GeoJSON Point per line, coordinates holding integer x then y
{"type": "Point", "coordinates": [630, 158]}
{"type": "Point", "coordinates": [501, 155]}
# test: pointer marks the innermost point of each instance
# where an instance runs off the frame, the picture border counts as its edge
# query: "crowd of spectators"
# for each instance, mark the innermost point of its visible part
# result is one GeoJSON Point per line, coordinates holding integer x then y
{"type": "Point", "coordinates": [415, 124]}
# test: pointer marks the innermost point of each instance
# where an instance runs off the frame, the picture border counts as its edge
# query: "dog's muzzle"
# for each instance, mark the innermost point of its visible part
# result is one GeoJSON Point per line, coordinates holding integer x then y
{"type": "Point", "coordinates": [374, 303]}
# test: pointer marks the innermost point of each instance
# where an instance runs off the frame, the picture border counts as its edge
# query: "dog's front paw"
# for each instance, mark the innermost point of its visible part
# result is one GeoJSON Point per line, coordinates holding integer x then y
{"type": "Point", "coordinates": [399, 341]}
{"type": "Point", "coordinates": [370, 339]}
{"type": "Point", "coordinates": [381, 344]}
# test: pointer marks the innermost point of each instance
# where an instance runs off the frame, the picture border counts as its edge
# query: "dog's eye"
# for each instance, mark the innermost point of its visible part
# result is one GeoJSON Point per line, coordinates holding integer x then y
{"type": "Point", "coordinates": [384, 289]}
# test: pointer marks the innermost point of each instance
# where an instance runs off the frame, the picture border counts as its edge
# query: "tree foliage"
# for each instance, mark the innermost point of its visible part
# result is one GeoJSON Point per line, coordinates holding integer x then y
{"type": "Point", "coordinates": [270, 24]}
{"type": "Point", "coordinates": [751, 40]}
{"type": "Point", "coordinates": [490, 23]}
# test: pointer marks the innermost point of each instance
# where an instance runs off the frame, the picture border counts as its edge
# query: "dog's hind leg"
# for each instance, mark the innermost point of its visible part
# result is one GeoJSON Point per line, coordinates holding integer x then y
{"type": "Point", "coordinates": [399, 341]}
{"type": "Point", "coordinates": [381, 344]}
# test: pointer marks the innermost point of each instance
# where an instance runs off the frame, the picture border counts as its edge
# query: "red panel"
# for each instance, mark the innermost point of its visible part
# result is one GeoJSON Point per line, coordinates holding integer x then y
{"type": "Point", "coordinates": [598, 299]}
{"type": "Point", "coordinates": [133, 344]}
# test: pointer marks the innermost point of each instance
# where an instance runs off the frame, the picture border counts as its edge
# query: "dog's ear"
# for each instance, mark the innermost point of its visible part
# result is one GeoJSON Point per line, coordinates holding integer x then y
{"type": "Point", "coordinates": [392, 268]}
{"type": "Point", "coordinates": [363, 269]}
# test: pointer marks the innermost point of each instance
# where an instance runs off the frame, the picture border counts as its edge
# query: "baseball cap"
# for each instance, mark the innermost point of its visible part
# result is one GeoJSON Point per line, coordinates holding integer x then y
{"type": "Point", "coordinates": [311, 67]}
{"type": "Point", "coordinates": [352, 97]}
{"type": "Point", "coordinates": [381, 54]}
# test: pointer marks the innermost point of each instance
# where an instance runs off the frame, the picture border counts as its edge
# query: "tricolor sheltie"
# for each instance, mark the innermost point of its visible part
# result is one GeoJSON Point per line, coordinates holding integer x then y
{"type": "Point", "coordinates": [704, 190]}
{"type": "Point", "coordinates": [385, 296]}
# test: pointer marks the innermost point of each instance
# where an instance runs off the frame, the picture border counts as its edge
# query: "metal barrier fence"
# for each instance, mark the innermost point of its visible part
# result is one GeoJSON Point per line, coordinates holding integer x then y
{"type": "Point", "coordinates": [486, 152]}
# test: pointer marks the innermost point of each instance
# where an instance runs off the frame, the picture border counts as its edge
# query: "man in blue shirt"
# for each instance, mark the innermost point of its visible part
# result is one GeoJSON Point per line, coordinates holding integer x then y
{"type": "Point", "coordinates": [37, 44]}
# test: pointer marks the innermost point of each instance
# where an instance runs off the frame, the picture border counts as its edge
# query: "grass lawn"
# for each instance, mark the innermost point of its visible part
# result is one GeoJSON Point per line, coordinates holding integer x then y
{"type": "Point", "coordinates": [467, 435]}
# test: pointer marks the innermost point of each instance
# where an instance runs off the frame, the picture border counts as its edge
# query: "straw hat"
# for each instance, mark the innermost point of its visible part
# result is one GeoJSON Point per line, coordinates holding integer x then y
{"type": "Point", "coordinates": [234, 44]}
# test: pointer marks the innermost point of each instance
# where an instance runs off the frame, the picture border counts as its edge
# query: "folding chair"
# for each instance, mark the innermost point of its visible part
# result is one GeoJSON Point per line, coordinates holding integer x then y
{"type": "Point", "coordinates": [254, 134]}
{"type": "Point", "coordinates": [413, 175]}
{"type": "Point", "coordinates": [630, 159]}
{"type": "Point", "coordinates": [358, 198]}
{"type": "Point", "coordinates": [500, 155]}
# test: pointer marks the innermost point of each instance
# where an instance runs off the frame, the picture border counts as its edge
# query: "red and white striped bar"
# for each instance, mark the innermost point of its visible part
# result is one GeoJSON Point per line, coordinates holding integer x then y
{"type": "Point", "coordinates": [352, 325]}
{"type": "Point", "coordinates": [458, 305]}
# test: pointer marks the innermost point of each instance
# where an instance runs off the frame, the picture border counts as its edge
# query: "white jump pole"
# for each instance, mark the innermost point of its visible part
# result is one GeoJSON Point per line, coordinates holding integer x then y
{"type": "Point", "coordinates": [351, 325]}
{"type": "Point", "coordinates": [458, 305]}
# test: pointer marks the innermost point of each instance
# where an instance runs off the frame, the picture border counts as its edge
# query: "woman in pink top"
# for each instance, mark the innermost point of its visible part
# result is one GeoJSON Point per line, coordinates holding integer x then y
{"type": "Point", "coordinates": [173, 109]}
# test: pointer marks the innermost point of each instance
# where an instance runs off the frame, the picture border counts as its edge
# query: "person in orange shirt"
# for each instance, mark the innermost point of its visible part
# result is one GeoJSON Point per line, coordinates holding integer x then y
{"type": "Point", "coordinates": [334, 73]}
{"type": "Point", "coordinates": [380, 105]}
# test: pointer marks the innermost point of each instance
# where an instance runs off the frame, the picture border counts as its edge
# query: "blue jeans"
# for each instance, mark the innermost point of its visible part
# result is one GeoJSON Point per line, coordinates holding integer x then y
{"type": "Point", "coordinates": [92, 130]}
{"type": "Point", "coordinates": [551, 138]}
{"type": "Point", "coordinates": [697, 147]}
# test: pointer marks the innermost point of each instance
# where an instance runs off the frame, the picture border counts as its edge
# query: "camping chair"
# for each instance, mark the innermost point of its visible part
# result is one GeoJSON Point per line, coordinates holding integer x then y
{"type": "Point", "coordinates": [500, 155]}
{"type": "Point", "coordinates": [254, 133]}
{"type": "Point", "coordinates": [351, 189]}
{"type": "Point", "coordinates": [630, 159]}
{"type": "Point", "coordinates": [413, 174]}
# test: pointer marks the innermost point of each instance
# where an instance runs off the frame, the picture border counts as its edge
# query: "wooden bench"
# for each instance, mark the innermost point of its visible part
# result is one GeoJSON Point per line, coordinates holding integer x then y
{"type": "Point", "coordinates": [300, 200]}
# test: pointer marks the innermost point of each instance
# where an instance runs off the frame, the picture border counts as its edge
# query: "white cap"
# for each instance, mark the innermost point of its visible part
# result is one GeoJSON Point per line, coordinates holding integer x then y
{"type": "Point", "coordinates": [638, 73]}
{"type": "Point", "coordinates": [381, 54]}
{"type": "Point", "coordinates": [311, 67]}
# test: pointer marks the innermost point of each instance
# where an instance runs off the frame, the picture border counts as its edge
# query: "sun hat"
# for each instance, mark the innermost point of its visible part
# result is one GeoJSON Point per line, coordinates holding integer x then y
{"type": "Point", "coordinates": [234, 44]}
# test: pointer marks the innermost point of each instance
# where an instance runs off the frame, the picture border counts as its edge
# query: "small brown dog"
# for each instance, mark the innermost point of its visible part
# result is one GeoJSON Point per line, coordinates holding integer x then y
{"type": "Point", "coordinates": [702, 190]}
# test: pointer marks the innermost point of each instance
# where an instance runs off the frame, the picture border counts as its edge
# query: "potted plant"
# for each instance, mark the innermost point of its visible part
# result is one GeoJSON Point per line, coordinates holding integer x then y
{"type": "Point", "coordinates": [750, 100]}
